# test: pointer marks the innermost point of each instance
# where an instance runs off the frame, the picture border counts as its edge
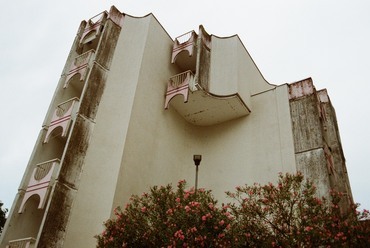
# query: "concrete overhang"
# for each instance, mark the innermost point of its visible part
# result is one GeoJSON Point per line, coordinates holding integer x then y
{"type": "Point", "coordinates": [204, 109]}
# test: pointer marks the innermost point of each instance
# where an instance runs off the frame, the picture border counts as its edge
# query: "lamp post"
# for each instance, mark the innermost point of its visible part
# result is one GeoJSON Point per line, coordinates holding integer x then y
{"type": "Point", "coordinates": [197, 159]}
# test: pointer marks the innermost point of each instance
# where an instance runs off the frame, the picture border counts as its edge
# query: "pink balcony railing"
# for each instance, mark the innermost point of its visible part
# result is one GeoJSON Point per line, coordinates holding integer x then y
{"type": "Point", "coordinates": [41, 180]}
{"type": "Point", "coordinates": [184, 42]}
{"type": "Point", "coordinates": [179, 85]}
{"type": "Point", "coordinates": [62, 117]}
{"type": "Point", "coordinates": [93, 27]}
{"type": "Point", "coordinates": [22, 243]}
{"type": "Point", "coordinates": [80, 66]}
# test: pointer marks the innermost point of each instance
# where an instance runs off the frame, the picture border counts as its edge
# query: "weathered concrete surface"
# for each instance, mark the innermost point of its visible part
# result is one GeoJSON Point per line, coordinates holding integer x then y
{"type": "Point", "coordinates": [317, 144]}
{"type": "Point", "coordinates": [313, 165]}
{"type": "Point", "coordinates": [107, 44]}
{"type": "Point", "coordinates": [339, 178]}
{"type": "Point", "coordinates": [93, 92]}
{"type": "Point", "coordinates": [57, 217]}
{"type": "Point", "coordinates": [306, 124]}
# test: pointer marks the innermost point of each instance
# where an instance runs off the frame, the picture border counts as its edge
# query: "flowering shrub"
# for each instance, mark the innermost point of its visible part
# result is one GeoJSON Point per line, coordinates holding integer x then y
{"type": "Point", "coordinates": [168, 218]}
{"type": "Point", "coordinates": [290, 215]}
{"type": "Point", "coordinates": [286, 214]}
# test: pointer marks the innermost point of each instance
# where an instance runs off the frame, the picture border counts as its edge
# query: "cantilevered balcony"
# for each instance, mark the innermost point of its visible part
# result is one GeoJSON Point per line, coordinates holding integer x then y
{"type": "Point", "coordinates": [41, 181]}
{"type": "Point", "coordinates": [200, 107]}
{"type": "Point", "coordinates": [80, 66]}
{"type": "Point", "coordinates": [22, 243]}
{"type": "Point", "coordinates": [62, 117]}
{"type": "Point", "coordinates": [184, 51]}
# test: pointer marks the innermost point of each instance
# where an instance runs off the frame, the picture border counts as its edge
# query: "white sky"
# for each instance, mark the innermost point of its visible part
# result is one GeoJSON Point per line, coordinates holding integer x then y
{"type": "Point", "coordinates": [289, 40]}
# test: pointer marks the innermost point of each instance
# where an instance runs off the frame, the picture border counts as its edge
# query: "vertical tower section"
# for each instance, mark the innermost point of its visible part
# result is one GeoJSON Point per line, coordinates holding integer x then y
{"type": "Point", "coordinates": [334, 152]}
{"type": "Point", "coordinates": [41, 209]}
{"type": "Point", "coordinates": [318, 151]}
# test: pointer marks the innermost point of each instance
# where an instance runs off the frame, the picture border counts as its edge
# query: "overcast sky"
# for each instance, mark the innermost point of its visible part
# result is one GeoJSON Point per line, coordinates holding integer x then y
{"type": "Point", "coordinates": [289, 40]}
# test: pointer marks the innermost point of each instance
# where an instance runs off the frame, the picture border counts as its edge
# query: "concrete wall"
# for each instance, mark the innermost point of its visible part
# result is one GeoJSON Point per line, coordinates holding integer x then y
{"type": "Point", "coordinates": [234, 71]}
{"type": "Point", "coordinates": [160, 144]}
{"type": "Point", "coordinates": [309, 143]}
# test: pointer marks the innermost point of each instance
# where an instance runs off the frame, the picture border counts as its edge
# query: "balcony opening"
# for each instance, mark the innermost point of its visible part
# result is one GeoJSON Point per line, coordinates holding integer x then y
{"type": "Point", "coordinates": [90, 42]}
{"type": "Point", "coordinates": [184, 52]}
{"type": "Point", "coordinates": [55, 134]}
{"type": "Point", "coordinates": [62, 118]}
{"type": "Point", "coordinates": [28, 223]}
{"type": "Point", "coordinates": [180, 84]}
{"type": "Point", "coordinates": [40, 183]}
{"type": "Point", "coordinates": [78, 71]}
{"type": "Point", "coordinates": [92, 33]}
{"type": "Point", "coordinates": [74, 87]}
{"type": "Point", "coordinates": [53, 149]}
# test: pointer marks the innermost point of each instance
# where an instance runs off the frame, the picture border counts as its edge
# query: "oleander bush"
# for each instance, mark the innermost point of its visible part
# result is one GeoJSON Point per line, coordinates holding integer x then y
{"type": "Point", "coordinates": [285, 214]}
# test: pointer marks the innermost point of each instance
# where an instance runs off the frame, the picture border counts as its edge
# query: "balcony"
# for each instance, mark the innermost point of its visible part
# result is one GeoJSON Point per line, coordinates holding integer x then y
{"type": "Point", "coordinates": [180, 85]}
{"type": "Point", "coordinates": [62, 117]}
{"type": "Point", "coordinates": [186, 42]}
{"type": "Point", "coordinates": [93, 28]}
{"type": "Point", "coordinates": [200, 107]}
{"type": "Point", "coordinates": [22, 243]}
{"type": "Point", "coordinates": [41, 180]}
{"type": "Point", "coordinates": [80, 66]}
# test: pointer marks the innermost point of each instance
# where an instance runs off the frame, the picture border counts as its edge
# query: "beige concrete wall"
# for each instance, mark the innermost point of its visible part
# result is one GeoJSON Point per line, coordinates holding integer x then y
{"type": "Point", "coordinates": [233, 71]}
{"type": "Point", "coordinates": [160, 144]}
{"type": "Point", "coordinates": [251, 149]}
{"type": "Point", "coordinates": [224, 66]}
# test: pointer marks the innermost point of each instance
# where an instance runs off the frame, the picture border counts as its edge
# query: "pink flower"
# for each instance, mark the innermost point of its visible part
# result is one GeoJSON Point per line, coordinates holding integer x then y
{"type": "Point", "coordinates": [143, 209]}
{"type": "Point", "coordinates": [187, 208]}
{"type": "Point", "coordinates": [221, 223]}
{"type": "Point", "coordinates": [221, 235]}
{"type": "Point", "coordinates": [204, 218]}
{"type": "Point", "coordinates": [178, 200]}
{"type": "Point", "coordinates": [179, 234]}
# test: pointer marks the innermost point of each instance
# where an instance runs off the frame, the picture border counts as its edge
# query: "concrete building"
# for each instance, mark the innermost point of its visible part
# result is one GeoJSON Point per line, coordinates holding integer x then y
{"type": "Point", "coordinates": [132, 107]}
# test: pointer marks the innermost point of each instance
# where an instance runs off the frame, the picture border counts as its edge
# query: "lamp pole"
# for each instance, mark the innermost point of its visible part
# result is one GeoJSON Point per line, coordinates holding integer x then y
{"type": "Point", "coordinates": [197, 159]}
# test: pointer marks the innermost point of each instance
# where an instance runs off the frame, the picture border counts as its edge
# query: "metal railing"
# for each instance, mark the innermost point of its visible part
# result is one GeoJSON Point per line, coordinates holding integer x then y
{"type": "Point", "coordinates": [43, 169]}
{"type": "Point", "coordinates": [22, 243]}
{"type": "Point", "coordinates": [95, 21]}
{"type": "Point", "coordinates": [82, 59]}
{"type": "Point", "coordinates": [63, 108]}
{"type": "Point", "coordinates": [185, 37]}
{"type": "Point", "coordinates": [178, 79]}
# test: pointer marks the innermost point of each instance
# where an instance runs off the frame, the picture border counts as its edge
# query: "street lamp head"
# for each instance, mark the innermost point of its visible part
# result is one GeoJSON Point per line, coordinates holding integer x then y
{"type": "Point", "coordinates": [197, 159]}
